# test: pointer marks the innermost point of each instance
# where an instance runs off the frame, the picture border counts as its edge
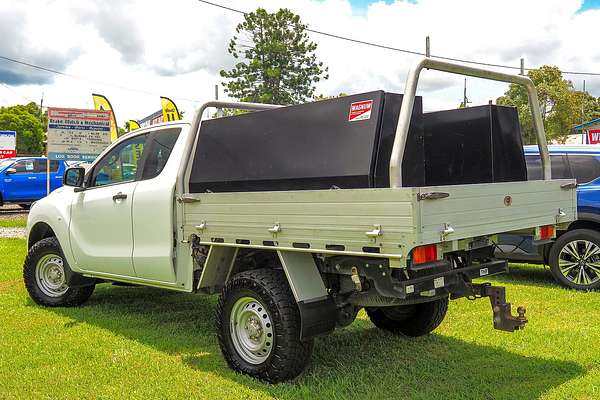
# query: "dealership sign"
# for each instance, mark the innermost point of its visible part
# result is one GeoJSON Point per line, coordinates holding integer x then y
{"type": "Point", "coordinates": [593, 136]}
{"type": "Point", "coordinates": [75, 134]}
{"type": "Point", "coordinates": [8, 144]}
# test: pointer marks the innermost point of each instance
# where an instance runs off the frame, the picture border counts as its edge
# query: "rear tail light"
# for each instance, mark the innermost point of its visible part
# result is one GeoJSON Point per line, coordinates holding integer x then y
{"type": "Point", "coordinates": [423, 254]}
{"type": "Point", "coordinates": [545, 232]}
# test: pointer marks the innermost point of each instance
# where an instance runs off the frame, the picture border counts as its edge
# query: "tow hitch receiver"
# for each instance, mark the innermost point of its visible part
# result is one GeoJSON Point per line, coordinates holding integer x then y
{"type": "Point", "coordinates": [503, 318]}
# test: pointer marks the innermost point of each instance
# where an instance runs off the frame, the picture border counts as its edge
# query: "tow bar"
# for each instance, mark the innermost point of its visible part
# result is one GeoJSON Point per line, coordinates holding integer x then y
{"type": "Point", "coordinates": [503, 318]}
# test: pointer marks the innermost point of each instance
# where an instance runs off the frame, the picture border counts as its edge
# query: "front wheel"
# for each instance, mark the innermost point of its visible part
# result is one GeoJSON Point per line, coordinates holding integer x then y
{"type": "Point", "coordinates": [410, 320]}
{"type": "Point", "coordinates": [45, 279]}
{"type": "Point", "coordinates": [575, 259]}
{"type": "Point", "coordinates": [258, 326]}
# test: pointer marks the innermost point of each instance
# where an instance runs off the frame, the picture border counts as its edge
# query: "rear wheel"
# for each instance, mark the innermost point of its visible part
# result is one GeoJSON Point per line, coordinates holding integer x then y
{"type": "Point", "coordinates": [411, 320]}
{"type": "Point", "coordinates": [575, 259]}
{"type": "Point", "coordinates": [258, 326]}
{"type": "Point", "coordinates": [45, 279]}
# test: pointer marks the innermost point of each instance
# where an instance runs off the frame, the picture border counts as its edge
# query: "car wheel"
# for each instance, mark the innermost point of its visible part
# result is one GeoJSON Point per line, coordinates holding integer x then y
{"type": "Point", "coordinates": [411, 320]}
{"type": "Point", "coordinates": [25, 206]}
{"type": "Point", "coordinates": [258, 326]}
{"type": "Point", "coordinates": [45, 279]}
{"type": "Point", "coordinates": [575, 259]}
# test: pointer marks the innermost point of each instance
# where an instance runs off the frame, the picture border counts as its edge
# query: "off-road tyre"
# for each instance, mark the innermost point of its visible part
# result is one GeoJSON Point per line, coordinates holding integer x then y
{"type": "Point", "coordinates": [581, 235]}
{"type": "Point", "coordinates": [71, 297]}
{"type": "Point", "coordinates": [411, 320]}
{"type": "Point", "coordinates": [288, 355]}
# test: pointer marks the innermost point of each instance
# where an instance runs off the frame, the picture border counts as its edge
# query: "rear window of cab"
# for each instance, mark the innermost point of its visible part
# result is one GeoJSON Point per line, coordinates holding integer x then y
{"type": "Point", "coordinates": [583, 167]}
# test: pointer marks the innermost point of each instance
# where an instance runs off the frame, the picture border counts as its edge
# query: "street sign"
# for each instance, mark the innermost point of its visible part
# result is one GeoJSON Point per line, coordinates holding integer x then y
{"type": "Point", "coordinates": [593, 136]}
{"type": "Point", "coordinates": [8, 144]}
{"type": "Point", "coordinates": [75, 134]}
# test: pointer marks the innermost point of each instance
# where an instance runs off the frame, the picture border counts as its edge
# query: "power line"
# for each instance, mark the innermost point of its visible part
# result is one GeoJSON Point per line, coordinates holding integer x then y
{"type": "Point", "coordinates": [54, 71]}
{"type": "Point", "coordinates": [418, 53]}
{"type": "Point", "coordinates": [15, 92]}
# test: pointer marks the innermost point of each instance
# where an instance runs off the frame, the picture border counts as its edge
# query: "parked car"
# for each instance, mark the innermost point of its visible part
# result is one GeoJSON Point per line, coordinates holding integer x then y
{"type": "Point", "coordinates": [23, 180]}
{"type": "Point", "coordinates": [574, 256]}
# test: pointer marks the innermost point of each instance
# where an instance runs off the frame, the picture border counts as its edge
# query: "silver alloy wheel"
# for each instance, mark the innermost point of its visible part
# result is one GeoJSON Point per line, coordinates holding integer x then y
{"type": "Point", "coordinates": [50, 275]}
{"type": "Point", "coordinates": [579, 262]}
{"type": "Point", "coordinates": [251, 330]}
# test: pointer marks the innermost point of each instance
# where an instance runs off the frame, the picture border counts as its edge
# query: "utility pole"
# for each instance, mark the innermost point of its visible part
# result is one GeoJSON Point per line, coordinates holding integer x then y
{"type": "Point", "coordinates": [465, 98]}
{"type": "Point", "coordinates": [219, 110]}
{"type": "Point", "coordinates": [41, 105]}
{"type": "Point", "coordinates": [522, 66]}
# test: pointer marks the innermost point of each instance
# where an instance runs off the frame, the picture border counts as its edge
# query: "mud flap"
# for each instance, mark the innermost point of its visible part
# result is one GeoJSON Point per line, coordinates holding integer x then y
{"type": "Point", "coordinates": [317, 309]}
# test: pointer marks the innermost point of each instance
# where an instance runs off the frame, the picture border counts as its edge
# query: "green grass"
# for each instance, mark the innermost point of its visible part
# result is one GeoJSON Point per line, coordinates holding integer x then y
{"type": "Point", "coordinates": [141, 343]}
{"type": "Point", "coordinates": [16, 222]}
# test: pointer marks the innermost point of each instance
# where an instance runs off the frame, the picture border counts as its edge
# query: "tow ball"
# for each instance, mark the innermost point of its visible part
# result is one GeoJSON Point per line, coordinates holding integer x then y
{"type": "Point", "coordinates": [503, 318]}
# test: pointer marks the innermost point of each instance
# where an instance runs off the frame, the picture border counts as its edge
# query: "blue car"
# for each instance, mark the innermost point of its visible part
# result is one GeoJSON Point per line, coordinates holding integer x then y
{"type": "Point", "coordinates": [23, 180]}
{"type": "Point", "coordinates": [574, 256]}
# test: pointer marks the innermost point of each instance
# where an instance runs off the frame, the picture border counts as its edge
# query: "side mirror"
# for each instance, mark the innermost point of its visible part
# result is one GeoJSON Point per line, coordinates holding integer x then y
{"type": "Point", "coordinates": [10, 171]}
{"type": "Point", "coordinates": [74, 177]}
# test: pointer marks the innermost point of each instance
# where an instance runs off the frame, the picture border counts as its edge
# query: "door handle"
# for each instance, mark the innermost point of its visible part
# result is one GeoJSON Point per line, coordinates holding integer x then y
{"type": "Point", "coordinates": [31, 177]}
{"type": "Point", "coordinates": [119, 196]}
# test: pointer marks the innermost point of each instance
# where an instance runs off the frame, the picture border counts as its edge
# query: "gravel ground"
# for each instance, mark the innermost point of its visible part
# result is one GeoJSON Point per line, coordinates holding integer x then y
{"type": "Point", "coordinates": [12, 232]}
{"type": "Point", "coordinates": [9, 212]}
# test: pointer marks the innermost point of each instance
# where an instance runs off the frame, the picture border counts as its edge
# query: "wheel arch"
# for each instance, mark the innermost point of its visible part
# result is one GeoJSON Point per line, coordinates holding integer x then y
{"type": "Point", "coordinates": [317, 309]}
{"type": "Point", "coordinates": [40, 230]}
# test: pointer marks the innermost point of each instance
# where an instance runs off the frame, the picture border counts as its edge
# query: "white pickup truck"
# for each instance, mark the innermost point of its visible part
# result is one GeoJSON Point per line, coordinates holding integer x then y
{"type": "Point", "coordinates": [289, 264]}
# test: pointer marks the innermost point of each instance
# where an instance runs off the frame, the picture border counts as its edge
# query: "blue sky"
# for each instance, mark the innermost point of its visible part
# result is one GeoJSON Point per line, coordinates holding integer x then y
{"type": "Point", "coordinates": [589, 4]}
{"type": "Point", "coordinates": [362, 4]}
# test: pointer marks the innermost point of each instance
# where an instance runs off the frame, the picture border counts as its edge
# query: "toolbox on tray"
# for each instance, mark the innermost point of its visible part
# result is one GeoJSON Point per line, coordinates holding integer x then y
{"type": "Point", "coordinates": [347, 142]}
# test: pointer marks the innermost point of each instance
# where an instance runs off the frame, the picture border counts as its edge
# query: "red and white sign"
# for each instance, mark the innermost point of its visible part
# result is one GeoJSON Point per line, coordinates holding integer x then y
{"type": "Point", "coordinates": [360, 110]}
{"type": "Point", "coordinates": [593, 136]}
{"type": "Point", "coordinates": [8, 144]}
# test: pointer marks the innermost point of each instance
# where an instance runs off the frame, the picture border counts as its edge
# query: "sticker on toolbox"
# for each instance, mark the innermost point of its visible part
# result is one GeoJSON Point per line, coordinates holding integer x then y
{"type": "Point", "coordinates": [438, 282]}
{"type": "Point", "coordinates": [483, 272]}
{"type": "Point", "coordinates": [360, 110]}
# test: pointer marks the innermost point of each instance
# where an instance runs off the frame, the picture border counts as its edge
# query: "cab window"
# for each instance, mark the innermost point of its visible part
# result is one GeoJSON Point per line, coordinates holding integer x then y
{"type": "Point", "coordinates": [159, 147]}
{"type": "Point", "coordinates": [120, 164]}
{"type": "Point", "coordinates": [42, 166]}
{"type": "Point", "coordinates": [558, 163]}
{"type": "Point", "coordinates": [585, 168]}
{"type": "Point", "coordinates": [24, 166]}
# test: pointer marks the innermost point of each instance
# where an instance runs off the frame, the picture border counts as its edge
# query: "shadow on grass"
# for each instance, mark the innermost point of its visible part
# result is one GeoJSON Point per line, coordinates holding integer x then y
{"type": "Point", "coordinates": [528, 274]}
{"type": "Point", "coordinates": [356, 362]}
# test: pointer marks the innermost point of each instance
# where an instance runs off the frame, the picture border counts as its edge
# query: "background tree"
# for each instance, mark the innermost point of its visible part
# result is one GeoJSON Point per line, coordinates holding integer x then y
{"type": "Point", "coordinates": [560, 104]}
{"type": "Point", "coordinates": [276, 60]}
{"type": "Point", "coordinates": [27, 121]}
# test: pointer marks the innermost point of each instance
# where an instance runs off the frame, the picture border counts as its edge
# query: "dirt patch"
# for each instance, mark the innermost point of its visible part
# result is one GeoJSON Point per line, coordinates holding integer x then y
{"type": "Point", "coordinates": [6, 286]}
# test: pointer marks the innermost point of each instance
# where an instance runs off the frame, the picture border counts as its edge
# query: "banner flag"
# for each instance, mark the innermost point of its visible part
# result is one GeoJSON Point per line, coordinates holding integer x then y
{"type": "Point", "coordinates": [169, 110]}
{"type": "Point", "coordinates": [133, 125]}
{"type": "Point", "coordinates": [102, 103]}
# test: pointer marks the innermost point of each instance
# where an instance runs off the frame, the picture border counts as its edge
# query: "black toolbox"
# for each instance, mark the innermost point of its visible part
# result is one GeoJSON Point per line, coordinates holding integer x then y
{"type": "Point", "coordinates": [347, 142]}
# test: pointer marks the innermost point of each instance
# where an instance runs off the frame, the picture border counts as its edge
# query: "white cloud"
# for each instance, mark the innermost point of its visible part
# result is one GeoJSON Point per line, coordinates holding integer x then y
{"type": "Point", "coordinates": [177, 48]}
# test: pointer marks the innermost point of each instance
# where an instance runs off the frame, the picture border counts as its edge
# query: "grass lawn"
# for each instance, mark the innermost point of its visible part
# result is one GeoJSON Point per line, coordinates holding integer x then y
{"type": "Point", "coordinates": [13, 222]}
{"type": "Point", "coordinates": [141, 343]}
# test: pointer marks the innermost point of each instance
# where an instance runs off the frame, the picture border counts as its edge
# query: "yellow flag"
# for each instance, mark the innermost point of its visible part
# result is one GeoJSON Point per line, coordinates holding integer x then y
{"type": "Point", "coordinates": [102, 103]}
{"type": "Point", "coordinates": [133, 125]}
{"type": "Point", "coordinates": [169, 110]}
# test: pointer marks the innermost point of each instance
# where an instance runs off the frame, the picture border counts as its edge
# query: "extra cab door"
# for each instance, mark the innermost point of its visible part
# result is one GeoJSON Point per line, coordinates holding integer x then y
{"type": "Point", "coordinates": [101, 216]}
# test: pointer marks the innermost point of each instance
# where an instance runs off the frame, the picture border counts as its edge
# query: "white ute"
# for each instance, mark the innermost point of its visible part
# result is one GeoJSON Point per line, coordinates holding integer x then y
{"type": "Point", "coordinates": [289, 265]}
